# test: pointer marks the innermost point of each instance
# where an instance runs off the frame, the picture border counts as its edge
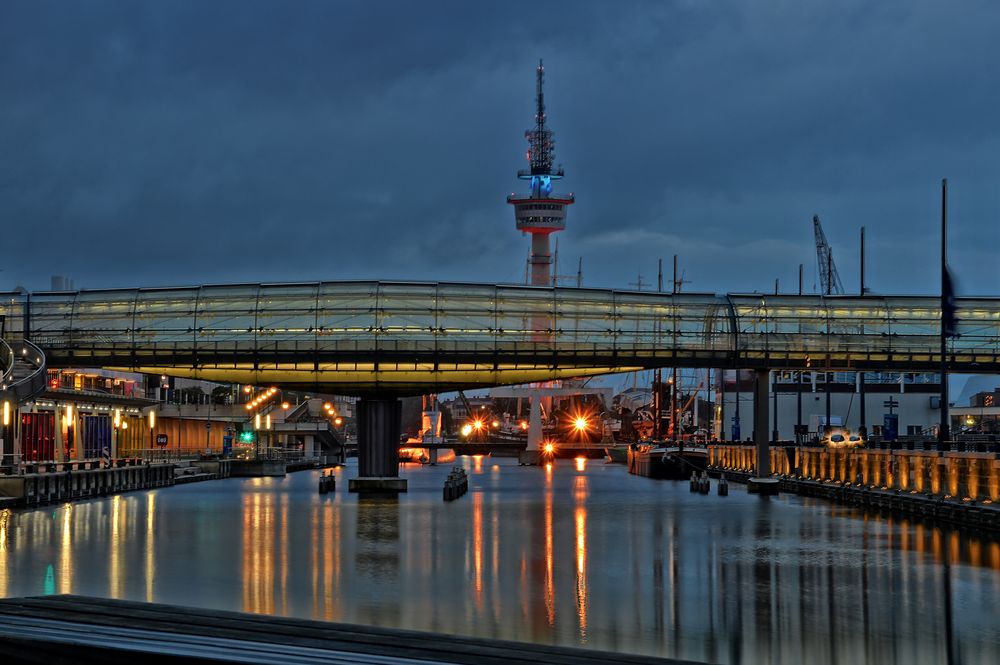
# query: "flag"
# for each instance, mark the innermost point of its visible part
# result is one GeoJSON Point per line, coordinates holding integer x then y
{"type": "Point", "coordinates": [949, 320]}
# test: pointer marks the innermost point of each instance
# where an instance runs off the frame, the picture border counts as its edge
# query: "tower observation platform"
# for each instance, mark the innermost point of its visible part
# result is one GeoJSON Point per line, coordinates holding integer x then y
{"type": "Point", "coordinates": [540, 212]}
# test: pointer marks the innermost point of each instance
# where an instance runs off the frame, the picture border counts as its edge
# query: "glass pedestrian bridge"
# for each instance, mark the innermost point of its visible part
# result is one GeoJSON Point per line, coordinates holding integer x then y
{"type": "Point", "coordinates": [399, 337]}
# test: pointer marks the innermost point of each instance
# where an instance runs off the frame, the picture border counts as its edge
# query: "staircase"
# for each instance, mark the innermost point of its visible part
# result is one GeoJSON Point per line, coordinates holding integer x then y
{"type": "Point", "coordinates": [24, 373]}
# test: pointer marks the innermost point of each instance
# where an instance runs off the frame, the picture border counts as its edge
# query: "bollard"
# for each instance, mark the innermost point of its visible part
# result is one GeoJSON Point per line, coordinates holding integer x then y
{"type": "Point", "coordinates": [694, 481]}
{"type": "Point", "coordinates": [456, 484]}
{"type": "Point", "coordinates": [704, 486]}
{"type": "Point", "coordinates": [723, 486]}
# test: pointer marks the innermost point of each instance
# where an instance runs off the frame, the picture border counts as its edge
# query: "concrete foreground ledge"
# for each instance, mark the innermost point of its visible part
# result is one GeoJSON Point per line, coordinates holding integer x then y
{"type": "Point", "coordinates": [765, 486]}
{"type": "Point", "coordinates": [74, 629]}
{"type": "Point", "coordinates": [387, 485]}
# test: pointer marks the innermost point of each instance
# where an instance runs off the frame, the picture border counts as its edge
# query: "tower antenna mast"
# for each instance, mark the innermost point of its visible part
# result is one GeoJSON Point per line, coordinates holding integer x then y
{"type": "Point", "coordinates": [540, 212]}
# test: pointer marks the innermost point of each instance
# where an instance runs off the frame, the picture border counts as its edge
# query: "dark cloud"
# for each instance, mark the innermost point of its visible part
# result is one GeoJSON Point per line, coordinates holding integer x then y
{"type": "Point", "coordinates": [179, 142]}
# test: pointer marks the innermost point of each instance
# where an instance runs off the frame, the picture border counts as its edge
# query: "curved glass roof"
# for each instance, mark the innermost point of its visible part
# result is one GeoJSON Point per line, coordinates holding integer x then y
{"type": "Point", "coordinates": [363, 336]}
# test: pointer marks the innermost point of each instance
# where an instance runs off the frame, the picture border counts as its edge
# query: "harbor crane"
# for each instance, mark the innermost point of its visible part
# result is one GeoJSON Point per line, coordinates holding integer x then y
{"type": "Point", "coordinates": [829, 279]}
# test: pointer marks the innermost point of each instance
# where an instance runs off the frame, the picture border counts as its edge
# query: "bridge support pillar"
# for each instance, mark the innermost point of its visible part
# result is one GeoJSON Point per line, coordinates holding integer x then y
{"type": "Point", "coordinates": [762, 482]}
{"type": "Point", "coordinates": [379, 426]}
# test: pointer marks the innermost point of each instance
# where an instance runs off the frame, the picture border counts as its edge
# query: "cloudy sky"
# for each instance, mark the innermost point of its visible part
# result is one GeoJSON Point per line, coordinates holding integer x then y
{"type": "Point", "coordinates": [181, 142]}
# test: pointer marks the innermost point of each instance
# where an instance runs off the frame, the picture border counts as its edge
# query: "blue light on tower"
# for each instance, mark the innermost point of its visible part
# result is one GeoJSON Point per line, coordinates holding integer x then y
{"type": "Point", "coordinates": [541, 184]}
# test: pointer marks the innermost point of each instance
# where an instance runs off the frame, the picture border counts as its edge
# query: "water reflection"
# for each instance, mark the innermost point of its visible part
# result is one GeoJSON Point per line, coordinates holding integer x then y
{"type": "Point", "coordinates": [66, 552]}
{"type": "Point", "coordinates": [150, 544]}
{"type": "Point", "coordinates": [562, 554]}
{"type": "Point", "coordinates": [116, 575]}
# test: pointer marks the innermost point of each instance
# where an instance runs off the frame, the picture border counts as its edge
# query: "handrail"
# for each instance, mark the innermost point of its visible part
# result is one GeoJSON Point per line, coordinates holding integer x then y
{"type": "Point", "coordinates": [35, 382]}
{"type": "Point", "coordinates": [5, 378]}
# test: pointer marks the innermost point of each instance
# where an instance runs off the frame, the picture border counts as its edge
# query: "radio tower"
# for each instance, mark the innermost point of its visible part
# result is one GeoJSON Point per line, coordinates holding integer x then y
{"type": "Point", "coordinates": [540, 212]}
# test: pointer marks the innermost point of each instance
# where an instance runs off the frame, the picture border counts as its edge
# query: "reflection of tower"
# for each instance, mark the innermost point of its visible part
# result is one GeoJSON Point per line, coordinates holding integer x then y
{"type": "Point", "coordinates": [540, 212]}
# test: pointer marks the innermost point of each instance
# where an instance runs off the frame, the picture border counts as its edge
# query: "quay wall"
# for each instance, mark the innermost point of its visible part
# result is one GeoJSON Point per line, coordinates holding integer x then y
{"type": "Point", "coordinates": [32, 489]}
{"type": "Point", "coordinates": [960, 487]}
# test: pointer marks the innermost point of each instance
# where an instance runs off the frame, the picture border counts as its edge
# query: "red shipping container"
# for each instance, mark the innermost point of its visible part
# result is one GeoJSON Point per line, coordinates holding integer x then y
{"type": "Point", "coordinates": [38, 436]}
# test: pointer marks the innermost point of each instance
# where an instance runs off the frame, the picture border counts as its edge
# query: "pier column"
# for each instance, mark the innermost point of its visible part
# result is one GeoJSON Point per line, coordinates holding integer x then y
{"type": "Point", "coordinates": [379, 426]}
{"type": "Point", "coordinates": [532, 454]}
{"type": "Point", "coordinates": [762, 483]}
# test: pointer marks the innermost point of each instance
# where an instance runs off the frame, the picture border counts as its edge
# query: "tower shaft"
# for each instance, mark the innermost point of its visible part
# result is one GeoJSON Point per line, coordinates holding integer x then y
{"type": "Point", "coordinates": [540, 260]}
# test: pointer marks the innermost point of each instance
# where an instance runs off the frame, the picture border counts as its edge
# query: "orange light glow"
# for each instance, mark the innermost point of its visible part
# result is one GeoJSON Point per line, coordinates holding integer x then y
{"type": "Point", "coordinates": [549, 448]}
{"type": "Point", "coordinates": [247, 389]}
{"type": "Point", "coordinates": [524, 425]}
{"type": "Point", "coordinates": [581, 463]}
{"type": "Point", "coordinates": [338, 421]}
{"type": "Point", "coordinates": [495, 423]}
{"type": "Point", "coordinates": [466, 429]}
{"type": "Point", "coordinates": [580, 423]}
{"type": "Point", "coordinates": [249, 406]}
{"type": "Point", "coordinates": [327, 406]}
{"type": "Point", "coordinates": [478, 424]}
{"type": "Point", "coordinates": [285, 405]}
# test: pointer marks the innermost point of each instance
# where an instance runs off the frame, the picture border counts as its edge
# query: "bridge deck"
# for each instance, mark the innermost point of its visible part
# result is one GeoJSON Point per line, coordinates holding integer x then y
{"type": "Point", "coordinates": [418, 337]}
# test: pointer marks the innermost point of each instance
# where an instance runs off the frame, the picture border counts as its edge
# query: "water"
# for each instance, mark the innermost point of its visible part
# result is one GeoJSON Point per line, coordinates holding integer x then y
{"type": "Point", "coordinates": [581, 554]}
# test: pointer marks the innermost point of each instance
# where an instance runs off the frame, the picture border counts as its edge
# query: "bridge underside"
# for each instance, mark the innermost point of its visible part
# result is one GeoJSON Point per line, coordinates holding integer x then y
{"type": "Point", "coordinates": [407, 373]}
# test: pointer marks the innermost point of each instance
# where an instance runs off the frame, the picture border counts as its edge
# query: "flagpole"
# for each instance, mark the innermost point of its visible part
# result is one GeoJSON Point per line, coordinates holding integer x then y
{"type": "Point", "coordinates": [944, 427]}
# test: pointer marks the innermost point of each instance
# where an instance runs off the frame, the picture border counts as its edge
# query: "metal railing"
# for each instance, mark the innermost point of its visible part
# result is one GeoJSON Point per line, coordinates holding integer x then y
{"type": "Point", "coordinates": [24, 388]}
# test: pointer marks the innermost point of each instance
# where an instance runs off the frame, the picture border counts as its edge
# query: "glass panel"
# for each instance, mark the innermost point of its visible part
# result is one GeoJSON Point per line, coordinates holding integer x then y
{"type": "Point", "coordinates": [12, 314]}
{"type": "Point", "coordinates": [227, 315]}
{"type": "Point", "coordinates": [346, 314]}
{"type": "Point", "coordinates": [525, 314]}
{"type": "Point", "coordinates": [165, 316]}
{"type": "Point", "coordinates": [407, 311]}
{"type": "Point", "coordinates": [467, 314]}
{"type": "Point", "coordinates": [585, 317]}
{"type": "Point", "coordinates": [51, 319]}
{"type": "Point", "coordinates": [287, 314]}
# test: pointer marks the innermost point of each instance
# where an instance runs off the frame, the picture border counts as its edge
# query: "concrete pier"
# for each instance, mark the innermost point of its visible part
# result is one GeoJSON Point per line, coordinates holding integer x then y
{"type": "Point", "coordinates": [762, 482]}
{"type": "Point", "coordinates": [379, 426]}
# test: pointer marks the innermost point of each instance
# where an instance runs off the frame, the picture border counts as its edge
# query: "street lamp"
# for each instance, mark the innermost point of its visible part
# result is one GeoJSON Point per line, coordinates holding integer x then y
{"type": "Point", "coordinates": [256, 431]}
{"type": "Point", "coordinates": [152, 424]}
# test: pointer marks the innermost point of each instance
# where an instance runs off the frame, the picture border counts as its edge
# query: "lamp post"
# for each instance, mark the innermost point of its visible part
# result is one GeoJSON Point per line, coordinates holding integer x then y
{"type": "Point", "coordinates": [4, 433]}
{"type": "Point", "coordinates": [152, 424]}
{"type": "Point", "coordinates": [70, 444]}
{"type": "Point", "coordinates": [256, 434]}
{"type": "Point", "coordinates": [267, 424]}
